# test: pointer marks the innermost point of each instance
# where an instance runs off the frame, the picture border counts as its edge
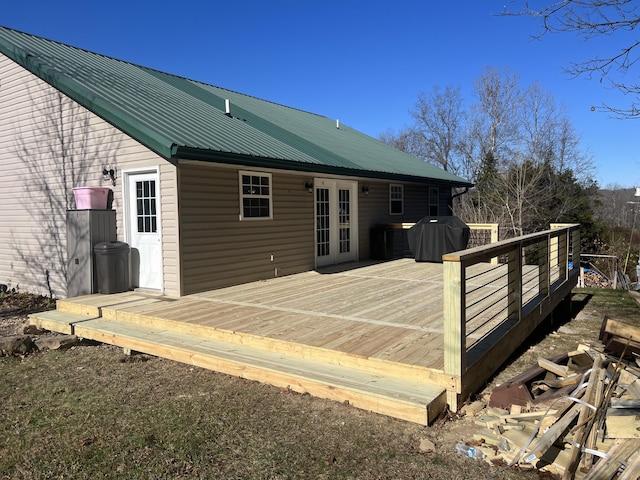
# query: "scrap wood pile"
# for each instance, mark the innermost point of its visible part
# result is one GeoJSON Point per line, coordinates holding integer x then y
{"type": "Point", "coordinates": [576, 415]}
{"type": "Point", "coordinates": [593, 279]}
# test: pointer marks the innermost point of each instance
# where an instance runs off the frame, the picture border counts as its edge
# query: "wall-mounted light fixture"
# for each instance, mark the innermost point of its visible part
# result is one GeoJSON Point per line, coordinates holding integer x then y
{"type": "Point", "coordinates": [365, 190]}
{"type": "Point", "coordinates": [308, 185]}
{"type": "Point", "coordinates": [109, 174]}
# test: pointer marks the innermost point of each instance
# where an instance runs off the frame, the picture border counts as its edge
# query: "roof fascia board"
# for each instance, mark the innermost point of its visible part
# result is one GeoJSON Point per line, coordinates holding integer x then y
{"type": "Point", "coordinates": [187, 153]}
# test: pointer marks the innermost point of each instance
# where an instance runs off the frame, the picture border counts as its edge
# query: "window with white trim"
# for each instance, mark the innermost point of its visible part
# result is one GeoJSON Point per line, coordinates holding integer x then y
{"type": "Point", "coordinates": [396, 199]}
{"type": "Point", "coordinates": [255, 196]}
{"type": "Point", "coordinates": [434, 201]}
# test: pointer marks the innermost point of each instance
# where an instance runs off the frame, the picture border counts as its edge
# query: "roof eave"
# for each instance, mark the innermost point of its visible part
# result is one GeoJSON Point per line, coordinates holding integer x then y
{"type": "Point", "coordinates": [196, 154]}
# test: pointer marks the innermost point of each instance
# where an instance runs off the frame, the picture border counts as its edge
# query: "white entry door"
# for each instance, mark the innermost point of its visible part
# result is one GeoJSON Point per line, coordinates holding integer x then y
{"type": "Point", "coordinates": [336, 221]}
{"type": "Point", "coordinates": [144, 230]}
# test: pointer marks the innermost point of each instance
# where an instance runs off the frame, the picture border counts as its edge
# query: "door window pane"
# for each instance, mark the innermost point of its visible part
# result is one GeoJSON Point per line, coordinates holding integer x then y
{"type": "Point", "coordinates": [344, 205]}
{"type": "Point", "coordinates": [146, 206]}
{"type": "Point", "coordinates": [322, 222]}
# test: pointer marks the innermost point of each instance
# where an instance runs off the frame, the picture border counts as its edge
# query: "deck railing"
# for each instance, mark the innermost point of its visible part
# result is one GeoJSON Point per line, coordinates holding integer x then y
{"type": "Point", "coordinates": [491, 307]}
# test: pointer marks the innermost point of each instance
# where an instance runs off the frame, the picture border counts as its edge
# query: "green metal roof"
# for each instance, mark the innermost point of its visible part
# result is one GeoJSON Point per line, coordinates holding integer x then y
{"type": "Point", "coordinates": [184, 119]}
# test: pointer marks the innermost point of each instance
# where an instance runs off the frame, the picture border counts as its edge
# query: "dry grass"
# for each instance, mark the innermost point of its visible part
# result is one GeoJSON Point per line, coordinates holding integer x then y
{"type": "Point", "coordinates": [91, 412]}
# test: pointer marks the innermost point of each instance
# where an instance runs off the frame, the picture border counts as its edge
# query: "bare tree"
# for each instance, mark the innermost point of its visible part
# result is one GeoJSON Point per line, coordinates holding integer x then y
{"type": "Point", "coordinates": [618, 206]}
{"type": "Point", "coordinates": [439, 118]}
{"type": "Point", "coordinates": [402, 140]}
{"type": "Point", "coordinates": [591, 19]}
{"type": "Point", "coordinates": [435, 134]}
{"type": "Point", "coordinates": [516, 144]}
{"type": "Point", "coordinates": [489, 144]}
{"type": "Point", "coordinates": [495, 118]}
{"type": "Point", "coordinates": [521, 147]}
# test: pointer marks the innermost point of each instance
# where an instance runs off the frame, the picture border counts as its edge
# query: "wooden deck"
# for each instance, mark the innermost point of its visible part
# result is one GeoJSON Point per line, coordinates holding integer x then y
{"type": "Point", "coordinates": [381, 319]}
{"type": "Point", "coordinates": [370, 333]}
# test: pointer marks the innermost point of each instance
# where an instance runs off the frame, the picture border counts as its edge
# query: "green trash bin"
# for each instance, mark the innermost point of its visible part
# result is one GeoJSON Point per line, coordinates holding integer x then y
{"type": "Point", "coordinates": [112, 267]}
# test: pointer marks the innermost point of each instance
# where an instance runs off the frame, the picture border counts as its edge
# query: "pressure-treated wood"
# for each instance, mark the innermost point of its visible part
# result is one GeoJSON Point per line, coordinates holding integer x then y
{"type": "Point", "coordinates": [455, 331]}
{"type": "Point", "coordinates": [400, 320]}
{"type": "Point", "coordinates": [500, 313]}
{"type": "Point", "coordinates": [412, 401]}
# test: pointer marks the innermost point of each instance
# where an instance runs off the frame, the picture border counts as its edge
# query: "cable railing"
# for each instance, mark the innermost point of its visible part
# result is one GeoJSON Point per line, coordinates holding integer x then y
{"type": "Point", "coordinates": [491, 306]}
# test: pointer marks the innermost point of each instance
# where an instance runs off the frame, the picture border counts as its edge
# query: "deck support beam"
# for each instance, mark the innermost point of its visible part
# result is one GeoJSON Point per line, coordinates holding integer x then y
{"type": "Point", "coordinates": [455, 335]}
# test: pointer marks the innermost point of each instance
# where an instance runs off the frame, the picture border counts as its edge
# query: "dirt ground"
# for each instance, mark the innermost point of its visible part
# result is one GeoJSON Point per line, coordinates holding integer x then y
{"type": "Point", "coordinates": [91, 411]}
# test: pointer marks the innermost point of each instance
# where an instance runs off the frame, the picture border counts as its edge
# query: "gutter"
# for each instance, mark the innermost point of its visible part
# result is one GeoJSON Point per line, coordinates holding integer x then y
{"type": "Point", "coordinates": [466, 189]}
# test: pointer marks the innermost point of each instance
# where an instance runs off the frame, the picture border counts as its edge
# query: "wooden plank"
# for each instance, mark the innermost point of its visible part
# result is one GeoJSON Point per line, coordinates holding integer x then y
{"type": "Point", "coordinates": [560, 370]}
{"type": "Point", "coordinates": [592, 396]}
{"type": "Point", "coordinates": [554, 432]}
{"type": "Point", "coordinates": [625, 403]}
{"type": "Point", "coordinates": [620, 451]}
{"type": "Point", "coordinates": [632, 469]}
{"type": "Point", "coordinates": [409, 401]}
{"type": "Point", "coordinates": [611, 326]}
{"type": "Point", "coordinates": [623, 423]}
{"type": "Point", "coordinates": [56, 321]}
{"type": "Point", "coordinates": [529, 415]}
{"type": "Point", "coordinates": [454, 325]}
{"type": "Point", "coordinates": [80, 309]}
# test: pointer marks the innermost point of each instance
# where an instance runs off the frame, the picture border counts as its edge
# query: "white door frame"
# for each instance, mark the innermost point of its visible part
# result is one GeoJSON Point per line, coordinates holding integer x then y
{"type": "Point", "coordinates": [127, 223]}
{"type": "Point", "coordinates": [334, 185]}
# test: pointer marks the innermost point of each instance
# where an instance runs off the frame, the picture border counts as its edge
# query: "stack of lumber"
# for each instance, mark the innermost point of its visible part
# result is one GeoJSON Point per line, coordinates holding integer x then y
{"type": "Point", "coordinates": [579, 417]}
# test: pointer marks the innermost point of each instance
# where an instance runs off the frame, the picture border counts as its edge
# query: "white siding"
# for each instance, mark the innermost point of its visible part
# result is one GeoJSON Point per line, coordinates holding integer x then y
{"type": "Point", "coordinates": [49, 144]}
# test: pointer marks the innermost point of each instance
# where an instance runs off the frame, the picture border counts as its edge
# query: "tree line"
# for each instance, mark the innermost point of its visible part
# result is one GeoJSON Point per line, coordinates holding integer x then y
{"type": "Point", "coordinates": [515, 143]}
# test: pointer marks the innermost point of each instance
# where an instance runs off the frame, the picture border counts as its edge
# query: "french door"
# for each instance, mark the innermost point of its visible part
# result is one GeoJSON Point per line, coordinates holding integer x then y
{"type": "Point", "coordinates": [336, 221]}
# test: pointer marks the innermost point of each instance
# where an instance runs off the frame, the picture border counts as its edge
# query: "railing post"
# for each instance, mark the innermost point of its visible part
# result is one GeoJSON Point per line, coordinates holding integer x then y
{"type": "Point", "coordinates": [514, 285]}
{"type": "Point", "coordinates": [554, 251]}
{"type": "Point", "coordinates": [544, 280]}
{"type": "Point", "coordinates": [494, 238]}
{"type": "Point", "coordinates": [564, 243]}
{"type": "Point", "coordinates": [455, 328]}
{"type": "Point", "coordinates": [575, 247]}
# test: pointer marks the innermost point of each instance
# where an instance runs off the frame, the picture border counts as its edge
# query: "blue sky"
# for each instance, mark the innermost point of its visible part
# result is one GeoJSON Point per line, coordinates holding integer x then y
{"type": "Point", "coordinates": [361, 61]}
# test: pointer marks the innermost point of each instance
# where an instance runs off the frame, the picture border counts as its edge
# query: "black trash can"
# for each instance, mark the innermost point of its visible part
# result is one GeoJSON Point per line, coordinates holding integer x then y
{"type": "Point", "coordinates": [112, 267]}
{"type": "Point", "coordinates": [381, 245]}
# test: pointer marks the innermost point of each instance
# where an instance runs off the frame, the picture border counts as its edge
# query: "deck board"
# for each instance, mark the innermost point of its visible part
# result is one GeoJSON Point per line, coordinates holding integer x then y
{"type": "Point", "coordinates": [382, 317]}
{"type": "Point", "coordinates": [386, 310]}
{"type": "Point", "coordinates": [402, 398]}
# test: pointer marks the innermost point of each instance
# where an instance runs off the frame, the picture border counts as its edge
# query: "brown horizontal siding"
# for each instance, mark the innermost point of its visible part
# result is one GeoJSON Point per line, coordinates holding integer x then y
{"type": "Point", "coordinates": [374, 211]}
{"type": "Point", "coordinates": [220, 250]}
